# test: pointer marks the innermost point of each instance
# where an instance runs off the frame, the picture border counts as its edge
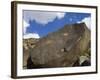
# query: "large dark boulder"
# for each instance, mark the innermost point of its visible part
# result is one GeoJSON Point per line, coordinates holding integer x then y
{"type": "Point", "coordinates": [61, 48]}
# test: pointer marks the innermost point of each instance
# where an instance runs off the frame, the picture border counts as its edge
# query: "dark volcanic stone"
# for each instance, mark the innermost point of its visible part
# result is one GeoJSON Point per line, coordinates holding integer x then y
{"type": "Point", "coordinates": [61, 48]}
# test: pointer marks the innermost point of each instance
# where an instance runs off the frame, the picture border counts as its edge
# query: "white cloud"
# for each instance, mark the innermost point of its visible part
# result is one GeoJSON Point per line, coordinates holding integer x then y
{"type": "Point", "coordinates": [87, 21]}
{"type": "Point", "coordinates": [31, 35]}
{"type": "Point", "coordinates": [25, 25]}
{"type": "Point", "coordinates": [60, 15]}
{"type": "Point", "coordinates": [42, 17]}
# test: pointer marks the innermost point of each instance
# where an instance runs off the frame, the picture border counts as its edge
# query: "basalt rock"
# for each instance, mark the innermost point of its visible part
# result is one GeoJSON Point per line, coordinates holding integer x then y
{"type": "Point", "coordinates": [61, 48]}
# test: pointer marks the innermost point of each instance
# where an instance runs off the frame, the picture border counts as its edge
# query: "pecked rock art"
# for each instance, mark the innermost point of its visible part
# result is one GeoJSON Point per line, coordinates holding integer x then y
{"type": "Point", "coordinates": [61, 48]}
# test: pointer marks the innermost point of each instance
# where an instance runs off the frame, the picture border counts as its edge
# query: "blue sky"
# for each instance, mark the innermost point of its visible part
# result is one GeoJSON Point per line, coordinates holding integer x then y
{"type": "Point", "coordinates": [37, 24]}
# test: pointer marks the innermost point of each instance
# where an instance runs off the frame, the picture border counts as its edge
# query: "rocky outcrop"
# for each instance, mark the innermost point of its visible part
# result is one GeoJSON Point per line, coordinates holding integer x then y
{"type": "Point", "coordinates": [27, 44]}
{"type": "Point", "coordinates": [61, 48]}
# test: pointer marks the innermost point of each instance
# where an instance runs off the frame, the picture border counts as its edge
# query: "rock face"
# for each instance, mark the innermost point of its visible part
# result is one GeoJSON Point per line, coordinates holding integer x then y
{"type": "Point", "coordinates": [27, 44]}
{"type": "Point", "coordinates": [61, 48]}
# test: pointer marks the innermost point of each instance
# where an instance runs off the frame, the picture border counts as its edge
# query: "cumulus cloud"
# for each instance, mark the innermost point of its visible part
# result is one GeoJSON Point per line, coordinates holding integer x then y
{"type": "Point", "coordinates": [87, 21]}
{"type": "Point", "coordinates": [25, 25]}
{"type": "Point", "coordinates": [31, 35]}
{"type": "Point", "coordinates": [42, 17]}
{"type": "Point", "coordinates": [60, 15]}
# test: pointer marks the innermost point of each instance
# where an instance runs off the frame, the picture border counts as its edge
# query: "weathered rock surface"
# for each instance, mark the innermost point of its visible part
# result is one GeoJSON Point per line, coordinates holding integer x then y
{"type": "Point", "coordinates": [27, 44]}
{"type": "Point", "coordinates": [61, 48]}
